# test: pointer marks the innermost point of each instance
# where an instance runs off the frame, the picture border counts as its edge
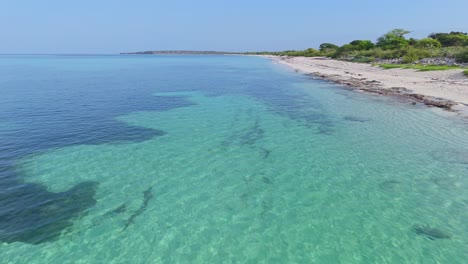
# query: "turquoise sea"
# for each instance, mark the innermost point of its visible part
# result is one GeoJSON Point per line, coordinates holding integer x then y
{"type": "Point", "coordinates": [220, 159]}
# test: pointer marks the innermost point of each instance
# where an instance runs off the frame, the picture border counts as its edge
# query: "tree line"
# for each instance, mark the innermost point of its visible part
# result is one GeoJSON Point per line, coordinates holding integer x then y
{"type": "Point", "coordinates": [391, 45]}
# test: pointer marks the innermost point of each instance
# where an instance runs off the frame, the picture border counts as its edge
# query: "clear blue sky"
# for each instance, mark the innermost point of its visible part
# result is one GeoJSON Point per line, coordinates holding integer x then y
{"type": "Point", "coordinates": [112, 26]}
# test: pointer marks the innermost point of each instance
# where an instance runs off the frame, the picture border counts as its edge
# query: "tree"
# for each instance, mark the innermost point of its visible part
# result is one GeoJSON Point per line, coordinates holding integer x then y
{"type": "Point", "coordinates": [412, 41]}
{"type": "Point", "coordinates": [327, 47]}
{"type": "Point", "coordinates": [451, 39]}
{"type": "Point", "coordinates": [362, 44]}
{"type": "Point", "coordinates": [394, 39]}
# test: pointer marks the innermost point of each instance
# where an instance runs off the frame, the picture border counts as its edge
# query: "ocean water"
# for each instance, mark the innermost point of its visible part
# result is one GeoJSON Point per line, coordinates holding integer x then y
{"type": "Point", "coordinates": [220, 159]}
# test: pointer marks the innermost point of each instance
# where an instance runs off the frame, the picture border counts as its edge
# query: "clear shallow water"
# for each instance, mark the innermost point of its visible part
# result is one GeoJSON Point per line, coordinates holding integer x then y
{"type": "Point", "coordinates": [209, 159]}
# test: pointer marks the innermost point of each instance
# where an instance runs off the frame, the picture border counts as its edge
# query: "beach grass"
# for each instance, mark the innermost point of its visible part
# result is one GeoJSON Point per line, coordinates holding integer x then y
{"type": "Point", "coordinates": [419, 67]}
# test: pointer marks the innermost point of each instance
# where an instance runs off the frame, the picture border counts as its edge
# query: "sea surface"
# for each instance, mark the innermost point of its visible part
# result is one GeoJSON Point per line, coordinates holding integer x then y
{"type": "Point", "coordinates": [220, 159]}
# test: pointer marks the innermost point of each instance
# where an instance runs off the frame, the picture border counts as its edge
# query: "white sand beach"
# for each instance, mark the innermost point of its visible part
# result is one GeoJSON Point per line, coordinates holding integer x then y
{"type": "Point", "coordinates": [445, 89]}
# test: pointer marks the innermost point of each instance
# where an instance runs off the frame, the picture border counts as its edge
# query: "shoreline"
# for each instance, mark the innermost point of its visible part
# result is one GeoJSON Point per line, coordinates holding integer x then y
{"type": "Point", "coordinates": [447, 89]}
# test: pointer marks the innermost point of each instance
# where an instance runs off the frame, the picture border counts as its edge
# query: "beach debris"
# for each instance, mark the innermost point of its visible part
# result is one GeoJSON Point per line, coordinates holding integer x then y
{"type": "Point", "coordinates": [356, 119]}
{"type": "Point", "coordinates": [432, 101]}
{"type": "Point", "coordinates": [147, 196]}
{"type": "Point", "coordinates": [31, 214]}
{"type": "Point", "coordinates": [389, 184]}
{"type": "Point", "coordinates": [430, 232]}
{"type": "Point", "coordinates": [451, 156]}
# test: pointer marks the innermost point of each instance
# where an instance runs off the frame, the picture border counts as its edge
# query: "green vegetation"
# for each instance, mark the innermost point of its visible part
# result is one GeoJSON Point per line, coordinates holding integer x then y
{"type": "Point", "coordinates": [328, 47]}
{"type": "Point", "coordinates": [427, 43]}
{"type": "Point", "coordinates": [451, 39]}
{"type": "Point", "coordinates": [419, 67]}
{"type": "Point", "coordinates": [465, 73]}
{"type": "Point", "coordinates": [391, 45]}
{"type": "Point", "coordinates": [394, 39]}
{"type": "Point", "coordinates": [462, 56]}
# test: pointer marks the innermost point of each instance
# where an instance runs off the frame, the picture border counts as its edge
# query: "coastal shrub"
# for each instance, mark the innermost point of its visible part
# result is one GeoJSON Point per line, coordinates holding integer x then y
{"type": "Point", "coordinates": [412, 54]}
{"type": "Point", "coordinates": [410, 58]}
{"type": "Point", "coordinates": [418, 67]}
{"type": "Point", "coordinates": [394, 39]}
{"type": "Point", "coordinates": [310, 52]}
{"type": "Point", "coordinates": [363, 59]}
{"type": "Point", "coordinates": [330, 53]}
{"type": "Point", "coordinates": [377, 53]}
{"type": "Point", "coordinates": [364, 53]}
{"type": "Point", "coordinates": [450, 52]}
{"type": "Point", "coordinates": [356, 48]}
{"type": "Point", "coordinates": [462, 56]}
{"type": "Point", "coordinates": [389, 54]}
{"type": "Point", "coordinates": [428, 43]}
{"type": "Point", "coordinates": [343, 51]}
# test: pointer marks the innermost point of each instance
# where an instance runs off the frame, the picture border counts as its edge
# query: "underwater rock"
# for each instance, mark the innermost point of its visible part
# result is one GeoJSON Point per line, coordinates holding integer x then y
{"type": "Point", "coordinates": [266, 207]}
{"type": "Point", "coordinates": [389, 184]}
{"type": "Point", "coordinates": [147, 196]}
{"type": "Point", "coordinates": [326, 130]}
{"type": "Point", "coordinates": [445, 182]}
{"type": "Point", "coordinates": [249, 136]}
{"type": "Point", "coordinates": [31, 214]}
{"type": "Point", "coordinates": [252, 135]}
{"type": "Point", "coordinates": [266, 152]}
{"type": "Point", "coordinates": [119, 210]}
{"type": "Point", "coordinates": [430, 232]}
{"type": "Point", "coordinates": [247, 179]}
{"type": "Point", "coordinates": [266, 180]}
{"type": "Point", "coordinates": [451, 156]}
{"type": "Point", "coordinates": [356, 119]}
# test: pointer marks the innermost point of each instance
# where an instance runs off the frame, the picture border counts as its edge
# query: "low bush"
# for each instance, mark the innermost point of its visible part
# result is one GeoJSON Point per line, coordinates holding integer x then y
{"type": "Point", "coordinates": [428, 43]}
{"type": "Point", "coordinates": [419, 67]}
{"type": "Point", "coordinates": [363, 59]}
{"type": "Point", "coordinates": [412, 54]}
{"type": "Point", "coordinates": [462, 56]}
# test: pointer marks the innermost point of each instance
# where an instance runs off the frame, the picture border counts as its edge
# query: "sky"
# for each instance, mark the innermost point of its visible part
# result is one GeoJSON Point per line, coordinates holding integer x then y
{"type": "Point", "coordinates": [114, 26]}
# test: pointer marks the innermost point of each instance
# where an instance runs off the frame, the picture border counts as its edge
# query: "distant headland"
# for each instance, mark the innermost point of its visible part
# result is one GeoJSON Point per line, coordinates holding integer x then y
{"type": "Point", "coordinates": [192, 52]}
